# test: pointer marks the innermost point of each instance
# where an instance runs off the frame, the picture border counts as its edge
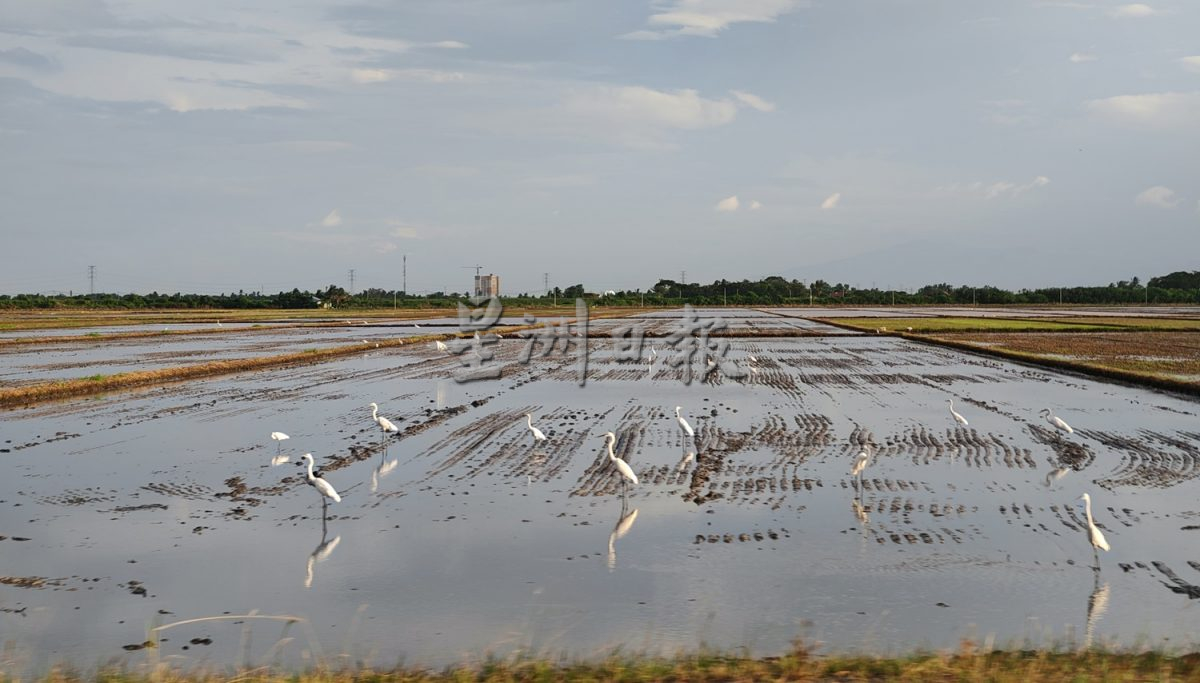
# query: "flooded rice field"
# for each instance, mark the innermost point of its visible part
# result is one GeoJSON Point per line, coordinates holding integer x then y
{"type": "Point", "coordinates": [461, 536]}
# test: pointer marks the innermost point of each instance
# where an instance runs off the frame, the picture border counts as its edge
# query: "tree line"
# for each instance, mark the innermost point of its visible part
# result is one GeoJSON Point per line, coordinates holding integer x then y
{"type": "Point", "coordinates": [1175, 288]}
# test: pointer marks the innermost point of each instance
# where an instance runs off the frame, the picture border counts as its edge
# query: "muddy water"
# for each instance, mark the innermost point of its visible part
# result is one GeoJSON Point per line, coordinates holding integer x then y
{"type": "Point", "coordinates": [462, 538]}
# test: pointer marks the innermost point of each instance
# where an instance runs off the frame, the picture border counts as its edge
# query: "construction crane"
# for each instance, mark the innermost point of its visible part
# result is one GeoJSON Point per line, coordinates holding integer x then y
{"type": "Point", "coordinates": [475, 286]}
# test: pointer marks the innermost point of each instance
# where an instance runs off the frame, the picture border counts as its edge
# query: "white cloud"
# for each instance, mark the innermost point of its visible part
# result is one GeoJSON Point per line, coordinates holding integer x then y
{"type": "Point", "coordinates": [385, 248]}
{"type": "Point", "coordinates": [708, 18]}
{"type": "Point", "coordinates": [728, 204]}
{"type": "Point", "coordinates": [638, 105]}
{"type": "Point", "coordinates": [1191, 63]}
{"type": "Point", "coordinates": [450, 45]}
{"type": "Point", "coordinates": [1156, 110]}
{"type": "Point", "coordinates": [995, 190]}
{"type": "Point", "coordinates": [831, 201]}
{"type": "Point", "coordinates": [755, 205]}
{"type": "Point", "coordinates": [1162, 197]}
{"type": "Point", "coordinates": [333, 220]}
{"type": "Point", "coordinates": [753, 101]}
{"type": "Point", "coordinates": [364, 76]}
{"type": "Point", "coordinates": [1136, 10]}
{"type": "Point", "coordinates": [1081, 57]}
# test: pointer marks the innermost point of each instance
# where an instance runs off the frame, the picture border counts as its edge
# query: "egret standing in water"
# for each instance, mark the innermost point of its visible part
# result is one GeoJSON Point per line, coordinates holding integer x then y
{"type": "Point", "coordinates": [1055, 421]}
{"type": "Point", "coordinates": [326, 489]}
{"type": "Point", "coordinates": [279, 437]}
{"type": "Point", "coordinates": [385, 425]}
{"type": "Point", "coordinates": [623, 467]}
{"type": "Point", "coordinates": [863, 459]}
{"type": "Point", "coordinates": [957, 418]}
{"type": "Point", "coordinates": [537, 433]}
{"type": "Point", "coordinates": [440, 346]}
{"type": "Point", "coordinates": [683, 424]}
{"type": "Point", "coordinates": [1094, 536]}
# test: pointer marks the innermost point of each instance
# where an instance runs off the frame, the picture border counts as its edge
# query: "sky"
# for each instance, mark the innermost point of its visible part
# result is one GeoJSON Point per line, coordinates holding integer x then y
{"type": "Point", "coordinates": [218, 146]}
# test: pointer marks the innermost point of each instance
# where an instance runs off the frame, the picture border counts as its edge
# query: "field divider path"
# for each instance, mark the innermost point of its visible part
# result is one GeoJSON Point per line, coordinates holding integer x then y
{"type": "Point", "coordinates": [59, 389]}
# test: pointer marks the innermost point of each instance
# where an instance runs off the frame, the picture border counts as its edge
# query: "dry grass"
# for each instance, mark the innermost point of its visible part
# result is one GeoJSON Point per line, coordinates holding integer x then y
{"type": "Point", "coordinates": [15, 320]}
{"type": "Point", "coordinates": [1162, 354]}
{"type": "Point", "coordinates": [798, 665]}
{"type": "Point", "coordinates": [960, 324]}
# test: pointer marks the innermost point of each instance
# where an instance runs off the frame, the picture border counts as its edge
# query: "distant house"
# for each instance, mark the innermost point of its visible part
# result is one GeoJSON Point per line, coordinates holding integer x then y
{"type": "Point", "coordinates": [322, 304]}
{"type": "Point", "coordinates": [487, 285]}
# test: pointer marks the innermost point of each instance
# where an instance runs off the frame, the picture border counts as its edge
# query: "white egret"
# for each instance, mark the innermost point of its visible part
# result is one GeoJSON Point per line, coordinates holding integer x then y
{"type": "Point", "coordinates": [437, 344]}
{"type": "Point", "coordinates": [622, 466]}
{"type": "Point", "coordinates": [385, 425]}
{"type": "Point", "coordinates": [1055, 421]}
{"type": "Point", "coordinates": [278, 437]}
{"type": "Point", "coordinates": [1094, 536]}
{"type": "Point", "coordinates": [219, 323]}
{"type": "Point", "coordinates": [957, 418]}
{"type": "Point", "coordinates": [683, 424]}
{"type": "Point", "coordinates": [323, 487]}
{"type": "Point", "coordinates": [537, 433]}
{"type": "Point", "coordinates": [863, 459]}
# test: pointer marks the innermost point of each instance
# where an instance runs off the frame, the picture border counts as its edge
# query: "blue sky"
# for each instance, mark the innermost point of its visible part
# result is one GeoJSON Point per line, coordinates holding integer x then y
{"type": "Point", "coordinates": [235, 145]}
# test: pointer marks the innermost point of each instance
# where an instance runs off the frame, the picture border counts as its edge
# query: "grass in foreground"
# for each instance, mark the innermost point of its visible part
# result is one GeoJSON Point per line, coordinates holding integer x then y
{"type": "Point", "coordinates": [798, 665]}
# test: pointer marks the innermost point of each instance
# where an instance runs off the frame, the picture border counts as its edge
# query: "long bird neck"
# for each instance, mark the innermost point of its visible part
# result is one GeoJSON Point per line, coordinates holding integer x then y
{"type": "Point", "coordinates": [1087, 510]}
{"type": "Point", "coordinates": [529, 419]}
{"type": "Point", "coordinates": [611, 456]}
{"type": "Point", "coordinates": [375, 413]}
{"type": "Point", "coordinates": [309, 462]}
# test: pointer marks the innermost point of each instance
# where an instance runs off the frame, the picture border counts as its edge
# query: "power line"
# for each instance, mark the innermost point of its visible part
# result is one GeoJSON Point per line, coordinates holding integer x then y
{"type": "Point", "coordinates": [91, 280]}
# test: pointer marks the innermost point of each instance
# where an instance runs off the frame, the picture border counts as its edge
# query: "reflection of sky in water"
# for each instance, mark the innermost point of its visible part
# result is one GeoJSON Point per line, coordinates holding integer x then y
{"type": "Point", "coordinates": [446, 548]}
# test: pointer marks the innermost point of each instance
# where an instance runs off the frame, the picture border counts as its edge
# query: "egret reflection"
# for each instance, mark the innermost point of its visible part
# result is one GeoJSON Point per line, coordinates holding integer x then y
{"type": "Point", "coordinates": [1097, 606]}
{"type": "Point", "coordinates": [622, 527]}
{"type": "Point", "coordinates": [319, 554]}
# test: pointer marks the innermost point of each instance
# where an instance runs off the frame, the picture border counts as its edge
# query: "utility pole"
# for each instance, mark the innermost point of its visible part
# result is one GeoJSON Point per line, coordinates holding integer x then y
{"type": "Point", "coordinates": [404, 274]}
{"type": "Point", "coordinates": [545, 284]}
{"type": "Point", "coordinates": [92, 281]}
{"type": "Point", "coordinates": [351, 282]}
{"type": "Point", "coordinates": [1060, 296]}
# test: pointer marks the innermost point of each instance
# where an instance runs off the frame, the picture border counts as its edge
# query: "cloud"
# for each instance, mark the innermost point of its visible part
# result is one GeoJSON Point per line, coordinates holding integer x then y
{"type": "Point", "coordinates": [364, 76]}
{"type": "Point", "coordinates": [753, 101]}
{"type": "Point", "coordinates": [1009, 112]}
{"type": "Point", "coordinates": [728, 204]}
{"type": "Point", "coordinates": [831, 201]}
{"type": "Point", "coordinates": [333, 220]}
{"type": "Point", "coordinates": [684, 109]}
{"type": "Point", "coordinates": [1162, 197]}
{"type": "Point", "coordinates": [1191, 63]}
{"type": "Point", "coordinates": [450, 45]}
{"type": "Point", "coordinates": [1155, 110]}
{"type": "Point", "coordinates": [1136, 10]}
{"type": "Point", "coordinates": [995, 190]}
{"type": "Point", "coordinates": [755, 205]}
{"type": "Point", "coordinates": [28, 59]}
{"type": "Point", "coordinates": [1081, 57]}
{"type": "Point", "coordinates": [708, 18]}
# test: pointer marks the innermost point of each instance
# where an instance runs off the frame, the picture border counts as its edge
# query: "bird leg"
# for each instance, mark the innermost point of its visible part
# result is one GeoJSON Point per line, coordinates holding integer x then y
{"type": "Point", "coordinates": [1096, 557]}
{"type": "Point", "coordinates": [324, 509]}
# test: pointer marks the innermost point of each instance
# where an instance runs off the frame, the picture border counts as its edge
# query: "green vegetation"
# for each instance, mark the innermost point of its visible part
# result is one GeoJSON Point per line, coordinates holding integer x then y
{"type": "Point", "coordinates": [798, 665]}
{"type": "Point", "coordinates": [1176, 288]}
{"type": "Point", "coordinates": [925, 325]}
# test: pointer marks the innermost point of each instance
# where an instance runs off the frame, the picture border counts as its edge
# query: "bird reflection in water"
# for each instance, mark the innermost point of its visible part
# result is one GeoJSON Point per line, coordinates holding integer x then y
{"type": "Point", "coordinates": [321, 553]}
{"type": "Point", "coordinates": [385, 468]}
{"type": "Point", "coordinates": [689, 456]}
{"type": "Point", "coordinates": [622, 527]}
{"type": "Point", "coordinates": [1056, 474]}
{"type": "Point", "coordinates": [1097, 606]}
